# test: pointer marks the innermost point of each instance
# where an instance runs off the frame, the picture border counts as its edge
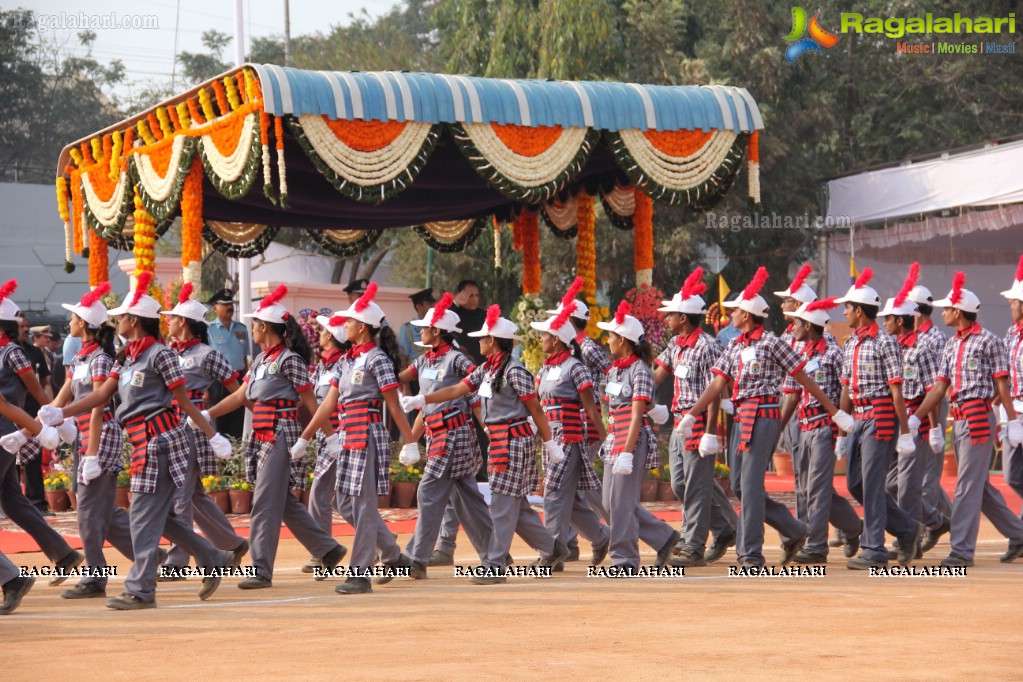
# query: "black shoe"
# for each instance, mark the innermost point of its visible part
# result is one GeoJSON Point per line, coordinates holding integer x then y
{"type": "Point", "coordinates": [440, 558]}
{"type": "Point", "coordinates": [850, 543]}
{"type": "Point", "coordinates": [211, 583]}
{"type": "Point", "coordinates": [354, 586]}
{"type": "Point", "coordinates": [330, 561]}
{"type": "Point", "coordinates": [508, 560]}
{"type": "Point", "coordinates": [129, 602]}
{"type": "Point", "coordinates": [255, 582]}
{"type": "Point", "coordinates": [71, 561]}
{"type": "Point", "coordinates": [804, 557]}
{"type": "Point", "coordinates": [837, 540]}
{"type": "Point", "coordinates": [908, 547]}
{"type": "Point", "coordinates": [573, 552]}
{"type": "Point", "coordinates": [791, 548]}
{"type": "Point", "coordinates": [862, 563]}
{"type": "Point", "coordinates": [687, 558]}
{"type": "Point", "coordinates": [750, 563]}
{"type": "Point", "coordinates": [488, 579]}
{"type": "Point", "coordinates": [720, 546]}
{"type": "Point", "coordinates": [931, 537]}
{"type": "Point", "coordinates": [558, 555]}
{"type": "Point", "coordinates": [45, 511]}
{"type": "Point", "coordinates": [418, 571]}
{"type": "Point", "coordinates": [403, 561]}
{"type": "Point", "coordinates": [15, 590]}
{"type": "Point", "coordinates": [170, 574]}
{"type": "Point", "coordinates": [955, 561]}
{"type": "Point", "coordinates": [238, 553]}
{"type": "Point", "coordinates": [1014, 552]}
{"type": "Point", "coordinates": [664, 553]}
{"type": "Point", "coordinates": [311, 565]}
{"type": "Point", "coordinates": [86, 591]}
{"type": "Point", "coordinates": [600, 552]}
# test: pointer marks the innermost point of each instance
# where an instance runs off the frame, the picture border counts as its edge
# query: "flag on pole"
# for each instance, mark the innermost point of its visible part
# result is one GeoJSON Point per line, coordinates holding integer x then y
{"type": "Point", "coordinates": [854, 274]}
{"type": "Point", "coordinates": [723, 292]}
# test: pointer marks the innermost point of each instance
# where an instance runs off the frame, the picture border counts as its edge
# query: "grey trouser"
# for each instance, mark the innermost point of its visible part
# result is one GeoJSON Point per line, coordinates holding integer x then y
{"type": "Point", "coordinates": [152, 515]}
{"type": "Point", "coordinates": [273, 503]}
{"type": "Point", "coordinates": [24, 514]}
{"type": "Point", "coordinates": [905, 483]}
{"type": "Point", "coordinates": [512, 515]}
{"type": "Point", "coordinates": [869, 460]}
{"type": "Point", "coordinates": [438, 492]}
{"type": "Point", "coordinates": [629, 520]}
{"type": "Point", "coordinates": [448, 529]}
{"type": "Point", "coordinates": [1012, 467]}
{"type": "Point", "coordinates": [705, 507]}
{"type": "Point", "coordinates": [8, 571]}
{"type": "Point", "coordinates": [823, 504]}
{"type": "Point", "coordinates": [99, 520]}
{"type": "Point", "coordinates": [565, 508]}
{"type": "Point", "coordinates": [934, 464]}
{"type": "Point", "coordinates": [361, 511]}
{"type": "Point", "coordinates": [975, 495]}
{"type": "Point", "coordinates": [192, 500]}
{"type": "Point", "coordinates": [321, 499]}
{"type": "Point", "coordinates": [756, 506]}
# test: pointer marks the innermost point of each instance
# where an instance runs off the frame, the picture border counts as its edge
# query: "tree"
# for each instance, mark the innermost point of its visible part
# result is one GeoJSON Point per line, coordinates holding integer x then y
{"type": "Point", "coordinates": [198, 66]}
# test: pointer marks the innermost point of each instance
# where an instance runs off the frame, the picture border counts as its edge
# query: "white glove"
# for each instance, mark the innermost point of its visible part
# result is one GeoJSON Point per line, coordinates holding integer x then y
{"type": "Point", "coordinates": [709, 445]}
{"type": "Point", "coordinates": [221, 446]}
{"type": "Point", "coordinates": [727, 407]}
{"type": "Point", "coordinates": [554, 451]}
{"type": "Point", "coordinates": [50, 415]}
{"type": "Point", "coordinates": [685, 425]}
{"type": "Point", "coordinates": [914, 423]}
{"type": "Point", "coordinates": [333, 444]}
{"type": "Point", "coordinates": [532, 425]}
{"type": "Point", "coordinates": [205, 415]}
{"type": "Point", "coordinates": [91, 468]}
{"type": "Point", "coordinates": [412, 402]}
{"type": "Point", "coordinates": [1014, 434]}
{"type": "Point", "coordinates": [1003, 416]}
{"type": "Point", "coordinates": [658, 414]}
{"type": "Point", "coordinates": [622, 465]}
{"type": "Point", "coordinates": [409, 454]}
{"type": "Point", "coordinates": [937, 438]}
{"type": "Point", "coordinates": [844, 421]}
{"type": "Point", "coordinates": [298, 449]}
{"type": "Point", "coordinates": [68, 431]}
{"type": "Point", "coordinates": [905, 445]}
{"type": "Point", "coordinates": [49, 438]}
{"type": "Point", "coordinates": [13, 442]}
{"type": "Point", "coordinates": [840, 447]}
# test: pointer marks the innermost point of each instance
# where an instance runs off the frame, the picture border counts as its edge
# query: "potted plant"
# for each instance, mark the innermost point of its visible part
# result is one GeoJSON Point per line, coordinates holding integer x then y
{"type": "Point", "coordinates": [217, 488]}
{"type": "Point", "coordinates": [122, 494]}
{"type": "Point", "coordinates": [56, 484]}
{"type": "Point", "coordinates": [406, 482]}
{"type": "Point", "coordinates": [664, 491]}
{"type": "Point", "coordinates": [308, 491]}
{"type": "Point", "coordinates": [723, 475]}
{"type": "Point", "coordinates": [648, 493]}
{"type": "Point", "coordinates": [241, 496]}
{"type": "Point", "coordinates": [783, 463]}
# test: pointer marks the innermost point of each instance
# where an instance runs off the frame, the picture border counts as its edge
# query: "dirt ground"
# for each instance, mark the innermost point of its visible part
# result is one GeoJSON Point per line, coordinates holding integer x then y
{"type": "Point", "coordinates": [843, 625]}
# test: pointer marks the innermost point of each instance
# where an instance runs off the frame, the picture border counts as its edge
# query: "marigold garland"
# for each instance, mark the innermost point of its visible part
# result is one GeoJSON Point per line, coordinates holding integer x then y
{"type": "Point", "coordinates": [193, 111]}
{"type": "Point", "coordinates": [527, 141]}
{"type": "Point", "coordinates": [264, 140]}
{"type": "Point", "coordinates": [528, 223]}
{"type": "Point", "coordinates": [126, 147]}
{"type": "Point", "coordinates": [678, 143]}
{"type": "Point", "coordinates": [154, 126]}
{"type": "Point", "coordinates": [77, 207]}
{"type": "Point", "coordinates": [191, 222]}
{"type": "Point", "coordinates": [62, 199]}
{"type": "Point", "coordinates": [175, 120]}
{"type": "Point", "coordinates": [99, 264]}
{"type": "Point", "coordinates": [115, 155]}
{"type": "Point", "coordinates": [233, 99]}
{"type": "Point", "coordinates": [497, 244]}
{"type": "Point", "coordinates": [585, 245]}
{"type": "Point", "coordinates": [86, 154]}
{"type": "Point", "coordinates": [643, 238]}
{"type": "Point", "coordinates": [96, 147]}
{"type": "Point", "coordinates": [165, 123]}
{"type": "Point", "coordinates": [218, 90]}
{"type": "Point", "coordinates": [144, 132]}
{"type": "Point", "coordinates": [206, 104]}
{"type": "Point", "coordinates": [754, 167]}
{"type": "Point", "coordinates": [184, 119]}
{"type": "Point", "coordinates": [145, 238]}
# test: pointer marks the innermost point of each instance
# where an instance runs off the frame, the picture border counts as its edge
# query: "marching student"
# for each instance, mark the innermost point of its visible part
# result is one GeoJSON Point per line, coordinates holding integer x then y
{"type": "Point", "coordinates": [566, 392]}
{"type": "Point", "coordinates": [630, 448]}
{"type": "Point", "coordinates": [97, 457]}
{"type": "Point", "coordinates": [688, 358]}
{"type": "Point", "coordinates": [202, 366]}
{"type": "Point", "coordinates": [148, 379]}
{"type": "Point", "coordinates": [756, 362]}
{"type": "Point", "coordinates": [276, 383]}
{"type": "Point", "coordinates": [364, 380]}
{"type": "Point", "coordinates": [920, 367]}
{"type": "Point", "coordinates": [507, 400]}
{"type": "Point", "coordinates": [975, 366]}
{"type": "Point", "coordinates": [452, 452]}
{"type": "Point", "coordinates": [1012, 457]}
{"type": "Point", "coordinates": [872, 388]}
{"type": "Point", "coordinates": [815, 448]}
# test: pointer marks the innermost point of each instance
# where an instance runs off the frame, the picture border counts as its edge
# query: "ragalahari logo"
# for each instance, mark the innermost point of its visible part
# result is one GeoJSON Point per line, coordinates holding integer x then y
{"type": "Point", "coordinates": [818, 38]}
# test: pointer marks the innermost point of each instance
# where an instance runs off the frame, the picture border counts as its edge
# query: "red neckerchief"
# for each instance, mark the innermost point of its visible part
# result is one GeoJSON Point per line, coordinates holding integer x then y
{"type": "Point", "coordinates": [87, 348]}
{"type": "Point", "coordinates": [972, 329]}
{"type": "Point", "coordinates": [360, 349]}
{"type": "Point", "coordinates": [6, 340]}
{"type": "Point", "coordinates": [330, 356]}
{"type": "Point", "coordinates": [270, 354]}
{"type": "Point", "coordinates": [870, 330]}
{"type": "Point", "coordinates": [622, 363]}
{"type": "Point", "coordinates": [908, 339]}
{"type": "Point", "coordinates": [494, 360]}
{"type": "Point", "coordinates": [182, 346]}
{"type": "Point", "coordinates": [788, 329]}
{"type": "Point", "coordinates": [816, 348]}
{"type": "Point", "coordinates": [580, 336]}
{"type": "Point", "coordinates": [438, 351]}
{"type": "Point", "coordinates": [557, 358]}
{"type": "Point", "coordinates": [139, 346]}
{"type": "Point", "coordinates": [745, 338]}
{"type": "Point", "coordinates": [925, 327]}
{"type": "Point", "coordinates": [689, 340]}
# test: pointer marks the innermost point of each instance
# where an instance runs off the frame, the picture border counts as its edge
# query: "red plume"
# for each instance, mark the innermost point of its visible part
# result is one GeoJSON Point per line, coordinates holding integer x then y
{"type": "Point", "coordinates": [864, 277]}
{"type": "Point", "coordinates": [559, 321]}
{"type": "Point", "coordinates": [801, 276]}
{"type": "Point", "coordinates": [756, 284]}
{"type": "Point", "coordinates": [822, 304]}
{"type": "Point", "coordinates": [441, 307]}
{"type": "Point", "coordinates": [493, 313]}
{"type": "Point", "coordinates": [8, 289]}
{"type": "Point", "coordinates": [572, 292]}
{"type": "Point", "coordinates": [96, 294]}
{"type": "Point", "coordinates": [274, 297]}
{"type": "Point", "coordinates": [623, 309]}
{"type": "Point", "coordinates": [1019, 269]}
{"type": "Point", "coordinates": [186, 292]}
{"type": "Point", "coordinates": [907, 286]}
{"type": "Point", "coordinates": [336, 321]}
{"type": "Point", "coordinates": [694, 285]}
{"type": "Point", "coordinates": [957, 287]}
{"type": "Point", "coordinates": [141, 287]}
{"type": "Point", "coordinates": [366, 298]}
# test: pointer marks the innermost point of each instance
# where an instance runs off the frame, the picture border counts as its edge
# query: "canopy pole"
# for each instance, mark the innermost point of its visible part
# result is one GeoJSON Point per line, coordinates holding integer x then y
{"type": "Point", "coordinates": [244, 264]}
{"type": "Point", "coordinates": [429, 267]}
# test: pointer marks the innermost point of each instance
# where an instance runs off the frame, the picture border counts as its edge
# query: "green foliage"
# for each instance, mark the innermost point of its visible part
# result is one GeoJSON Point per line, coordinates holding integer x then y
{"type": "Point", "coordinates": [200, 66]}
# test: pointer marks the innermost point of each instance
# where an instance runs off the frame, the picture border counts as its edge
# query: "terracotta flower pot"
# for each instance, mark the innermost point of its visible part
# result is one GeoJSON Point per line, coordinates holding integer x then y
{"type": "Point", "coordinates": [665, 493]}
{"type": "Point", "coordinates": [222, 498]}
{"type": "Point", "coordinates": [121, 498]}
{"type": "Point", "coordinates": [648, 493]}
{"type": "Point", "coordinates": [783, 463]}
{"type": "Point", "coordinates": [404, 494]}
{"type": "Point", "coordinates": [304, 497]}
{"type": "Point", "coordinates": [951, 467]}
{"type": "Point", "coordinates": [726, 484]}
{"type": "Point", "coordinates": [383, 501]}
{"type": "Point", "coordinates": [58, 500]}
{"type": "Point", "coordinates": [241, 501]}
{"type": "Point", "coordinates": [74, 499]}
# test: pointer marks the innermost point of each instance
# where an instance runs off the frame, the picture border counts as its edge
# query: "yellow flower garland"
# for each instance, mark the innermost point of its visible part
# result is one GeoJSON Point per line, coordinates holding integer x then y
{"type": "Point", "coordinates": [191, 222]}
{"type": "Point", "coordinates": [145, 238]}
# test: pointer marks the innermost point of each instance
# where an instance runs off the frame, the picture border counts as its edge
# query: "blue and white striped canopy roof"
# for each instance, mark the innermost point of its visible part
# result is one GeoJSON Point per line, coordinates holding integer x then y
{"type": "Point", "coordinates": [441, 98]}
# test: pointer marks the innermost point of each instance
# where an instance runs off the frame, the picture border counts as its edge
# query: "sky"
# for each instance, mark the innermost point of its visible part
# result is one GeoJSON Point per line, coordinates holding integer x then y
{"type": "Point", "coordinates": [148, 54]}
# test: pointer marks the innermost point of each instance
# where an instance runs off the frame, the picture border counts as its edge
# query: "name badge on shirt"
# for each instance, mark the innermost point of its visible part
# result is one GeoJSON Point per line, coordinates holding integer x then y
{"type": "Point", "coordinates": [324, 379]}
{"type": "Point", "coordinates": [748, 355]}
{"type": "Point", "coordinates": [357, 377]}
{"type": "Point", "coordinates": [186, 363]}
{"type": "Point", "coordinates": [260, 371]}
{"type": "Point", "coordinates": [81, 374]}
{"type": "Point", "coordinates": [909, 372]}
{"type": "Point", "coordinates": [973, 363]}
{"type": "Point", "coordinates": [485, 391]}
{"type": "Point", "coordinates": [812, 366]}
{"type": "Point", "coordinates": [554, 374]}
{"type": "Point", "coordinates": [124, 380]}
{"type": "Point", "coordinates": [754, 368]}
{"type": "Point", "coordinates": [360, 362]}
{"type": "Point", "coordinates": [613, 388]}
{"type": "Point", "coordinates": [818, 376]}
{"type": "Point", "coordinates": [431, 374]}
{"type": "Point", "coordinates": [682, 371]}
{"type": "Point", "coordinates": [137, 378]}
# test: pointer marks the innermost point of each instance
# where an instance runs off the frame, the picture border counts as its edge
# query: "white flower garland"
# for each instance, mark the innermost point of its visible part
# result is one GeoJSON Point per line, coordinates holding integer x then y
{"type": "Point", "coordinates": [230, 167]}
{"type": "Point", "coordinates": [156, 186]}
{"type": "Point", "coordinates": [192, 273]}
{"type": "Point", "coordinates": [563, 215]}
{"type": "Point", "coordinates": [527, 171]}
{"type": "Point", "coordinates": [754, 181]}
{"type": "Point", "coordinates": [621, 200]}
{"type": "Point", "coordinates": [678, 172]}
{"type": "Point", "coordinates": [366, 169]}
{"type": "Point", "coordinates": [105, 211]}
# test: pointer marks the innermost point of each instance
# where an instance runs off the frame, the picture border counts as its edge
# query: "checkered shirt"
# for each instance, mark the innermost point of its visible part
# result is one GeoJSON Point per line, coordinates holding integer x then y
{"type": "Point", "coordinates": [933, 338]}
{"type": "Point", "coordinates": [871, 364]}
{"type": "Point", "coordinates": [1014, 347]}
{"type": "Point", "coordinates": [111, 448]}
{"type": "Point", "coordinates": [256, 452]}
{"type": "Point", "coordinates": [216, 365]}
{"type": "Point", "coordinates": [920, 364]}
{"type": "Point", "coordinates": [177, 445]}
{"type": "Point", "coordinates": [971, 364]}
{"type": "Point", "coordinates": [641, 387]}
{"type": "Point", "coordinates": [462, 449]}
{"type": "Point", "coordinates": [554, 474]}
{"type": "Point", "coordinates": [697, 360]}
{"type": "Point", "coordinates": [522, 475]}
{"type": "Point", "coordinates": [597, 362]}
{"type": "Point", "coordinates": [826, 373]}
{"type": "Point", "coordinates": [764, 375]}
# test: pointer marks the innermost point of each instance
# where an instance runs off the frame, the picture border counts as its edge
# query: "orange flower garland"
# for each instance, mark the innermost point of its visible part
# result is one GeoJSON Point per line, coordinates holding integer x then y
{"type": "Point", "coordinates": [754, 166]}
{"type": "Point", "coordinates": [145, 238]}
{"type": "Point", "coordinates": [678, 143]}
{"type": "Point", "coordinates": [643, 239]}
{"type": "Point", "coordinates": [585, 246]}
{"type": "Point", "coordinates": [99, 264]}
{"type": "Point", "coordinates": [526, 141]}
{"type": "Point", "coordinates": [218, 90]}
{"type": "Point", "coordinates": [77, 207]}
{"type": "Point", "coordinates": [191, 225]}
{"type": "Point", "coordinates": [65, 217]}
{"type": "Point", "coordinates": [528, 223]}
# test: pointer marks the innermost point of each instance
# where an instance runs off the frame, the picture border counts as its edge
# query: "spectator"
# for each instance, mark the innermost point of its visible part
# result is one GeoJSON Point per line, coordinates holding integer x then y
{"type": "Point", "coordinates": [231, 338]}
{"type": "Point", "coordinates": [33, 470]}
{"type": "Point", "coordinates": [472, 316]}
{"type": "Point", "coordinates": [355, 289]}
{"type": "Point", "coordinates": [408, 334]}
